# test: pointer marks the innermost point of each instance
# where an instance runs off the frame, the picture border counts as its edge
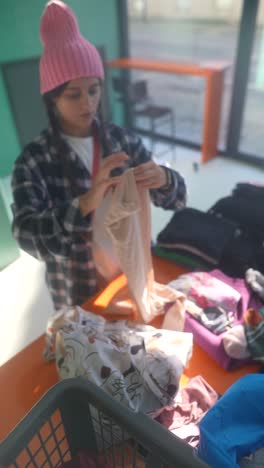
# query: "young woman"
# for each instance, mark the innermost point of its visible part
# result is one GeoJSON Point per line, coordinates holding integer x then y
{"type": "Point", "coordinates": [61, 178]}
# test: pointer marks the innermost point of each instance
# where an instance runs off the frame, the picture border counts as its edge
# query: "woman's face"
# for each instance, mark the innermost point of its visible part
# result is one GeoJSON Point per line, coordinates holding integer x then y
{"type": "Point", "coordinates": [78, 105]}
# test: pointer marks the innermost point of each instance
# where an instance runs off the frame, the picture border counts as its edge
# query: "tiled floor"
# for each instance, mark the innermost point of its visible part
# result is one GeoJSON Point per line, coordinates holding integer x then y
{"type": "Point", "coordinates": [24, 301]}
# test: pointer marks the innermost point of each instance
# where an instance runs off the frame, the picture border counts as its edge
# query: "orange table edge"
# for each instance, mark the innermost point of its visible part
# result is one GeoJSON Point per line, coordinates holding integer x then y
{"type": "Point", "coordinates": [27, 376]}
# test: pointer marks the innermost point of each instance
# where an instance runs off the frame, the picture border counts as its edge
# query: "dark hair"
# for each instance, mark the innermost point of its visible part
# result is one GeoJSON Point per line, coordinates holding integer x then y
{"type": "Point", "coordinates": [58, 141]}
{"type": "Point", "coordinates": [49, 101]}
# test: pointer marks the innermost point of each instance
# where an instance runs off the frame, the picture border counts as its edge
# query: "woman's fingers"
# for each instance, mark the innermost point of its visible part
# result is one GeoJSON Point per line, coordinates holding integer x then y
{"type": "Point", "coordinates": [112, 181]}
{"type": "Point", "coordinates": [150, 183]}
{"type": "Point", "coordinates": [114, 161]}
{"type": "Point", "coordinates": [143, 168]}
{"type": "Point", "coordinates": [150, 175]}
{"type": "Point", "coordinates": [144, 175]}
{"type": "Point", "coordinates": [106, 183]}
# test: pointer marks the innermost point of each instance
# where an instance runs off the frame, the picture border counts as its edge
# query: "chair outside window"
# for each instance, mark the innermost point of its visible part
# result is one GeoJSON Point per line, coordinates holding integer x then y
{"type": "Point", "coordinates": [142, 106]}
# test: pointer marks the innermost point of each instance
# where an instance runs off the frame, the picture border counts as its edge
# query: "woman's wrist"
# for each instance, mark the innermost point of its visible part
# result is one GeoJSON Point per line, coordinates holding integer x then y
{"type": "Point", "coordinates": [168, 177]}
{"type": "Point", "coordinates": [86, 204]}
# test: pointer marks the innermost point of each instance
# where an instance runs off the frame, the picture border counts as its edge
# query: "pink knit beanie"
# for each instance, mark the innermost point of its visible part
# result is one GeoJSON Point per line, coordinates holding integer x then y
{"type": "Point", "coordinates": [67, 55]}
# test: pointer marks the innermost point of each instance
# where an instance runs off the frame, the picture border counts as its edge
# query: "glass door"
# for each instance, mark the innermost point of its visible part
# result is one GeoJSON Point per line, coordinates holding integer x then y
{"type": "Point", "coordinates": [188, 31]}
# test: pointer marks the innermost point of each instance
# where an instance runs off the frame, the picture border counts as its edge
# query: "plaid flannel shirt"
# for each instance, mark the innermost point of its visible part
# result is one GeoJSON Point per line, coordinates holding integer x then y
{"type": "Point", "coordinates": [48, 223]}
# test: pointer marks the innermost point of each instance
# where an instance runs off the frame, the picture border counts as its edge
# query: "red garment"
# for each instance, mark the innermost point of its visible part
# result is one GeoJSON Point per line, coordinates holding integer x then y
{"type": "Point", "coordinates": [252, 317]}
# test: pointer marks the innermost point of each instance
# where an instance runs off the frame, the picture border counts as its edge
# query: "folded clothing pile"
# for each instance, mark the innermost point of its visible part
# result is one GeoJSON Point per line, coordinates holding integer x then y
{"type": "Point", "coordinates": [229, 236]}
{"type": "Point", "coordinates": [215, 308]}
{"type": "Point", "coordinates": [247, 338]}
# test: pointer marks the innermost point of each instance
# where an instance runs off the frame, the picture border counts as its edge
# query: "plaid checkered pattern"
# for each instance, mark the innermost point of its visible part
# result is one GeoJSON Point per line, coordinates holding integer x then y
{"type": "Point", "coordinates": [48, 223]}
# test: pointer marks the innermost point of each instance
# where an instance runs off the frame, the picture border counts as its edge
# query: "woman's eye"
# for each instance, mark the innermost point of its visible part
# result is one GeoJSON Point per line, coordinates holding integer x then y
{"type": "Point", "coordinates": [93, 92]}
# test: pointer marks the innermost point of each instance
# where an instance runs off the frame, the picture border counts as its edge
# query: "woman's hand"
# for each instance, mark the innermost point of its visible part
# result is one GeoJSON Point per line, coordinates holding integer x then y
{"type": "Point", "coordinates": [102, 182]}
{"type": "Point", "coordinates": [150, 175]}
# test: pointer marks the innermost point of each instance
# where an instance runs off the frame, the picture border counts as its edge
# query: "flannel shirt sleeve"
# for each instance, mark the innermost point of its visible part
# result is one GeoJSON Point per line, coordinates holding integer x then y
{"type": "Point", "coordinates": [171, 197]}
{"type": "Point", "coordinates": [39, 228]}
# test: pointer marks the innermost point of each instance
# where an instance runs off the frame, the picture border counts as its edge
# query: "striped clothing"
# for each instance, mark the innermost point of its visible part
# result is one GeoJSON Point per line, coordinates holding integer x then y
{"type": "Point", "coordinates": [48, 223]}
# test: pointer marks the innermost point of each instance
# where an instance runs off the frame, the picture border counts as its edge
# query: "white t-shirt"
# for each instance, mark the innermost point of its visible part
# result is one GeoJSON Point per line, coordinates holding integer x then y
{"type": "Point", "coordinates": [83, 147]}
{"type": "Point", "coordinates": [105, 259]}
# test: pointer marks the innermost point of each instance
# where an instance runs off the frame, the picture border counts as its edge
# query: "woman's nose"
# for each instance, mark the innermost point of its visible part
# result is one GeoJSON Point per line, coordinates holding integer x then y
{"type": "Point", "coordinates": [85, 102]}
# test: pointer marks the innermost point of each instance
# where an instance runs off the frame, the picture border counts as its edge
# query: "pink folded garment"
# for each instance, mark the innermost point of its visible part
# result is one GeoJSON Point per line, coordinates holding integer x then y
{"type": "Point", "coordinates": [196, 398]}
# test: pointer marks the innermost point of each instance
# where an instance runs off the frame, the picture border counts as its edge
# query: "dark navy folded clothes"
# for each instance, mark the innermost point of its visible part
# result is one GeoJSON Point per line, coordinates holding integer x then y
{"type": "Point", "coordinates": [197, 232]}
{"type": "Point", "coordinates": [239, 255]}
{"type": "Point", "coordinates": [244, 211]}
{"type": "Point", "coordinates": [249, 190]}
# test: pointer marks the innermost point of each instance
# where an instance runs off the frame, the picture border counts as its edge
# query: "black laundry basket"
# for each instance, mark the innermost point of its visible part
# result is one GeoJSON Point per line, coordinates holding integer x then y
{"type": "Point", "coordinates": [76, 415]}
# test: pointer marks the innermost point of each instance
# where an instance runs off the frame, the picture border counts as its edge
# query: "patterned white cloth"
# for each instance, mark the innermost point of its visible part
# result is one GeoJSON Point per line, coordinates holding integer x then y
{"type": "Point", "coordinates": [136, 364]}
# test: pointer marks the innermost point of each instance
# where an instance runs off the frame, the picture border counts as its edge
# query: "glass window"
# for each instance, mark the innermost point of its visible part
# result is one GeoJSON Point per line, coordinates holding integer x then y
{"type": "Point", "coordinates": [188, 31]}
